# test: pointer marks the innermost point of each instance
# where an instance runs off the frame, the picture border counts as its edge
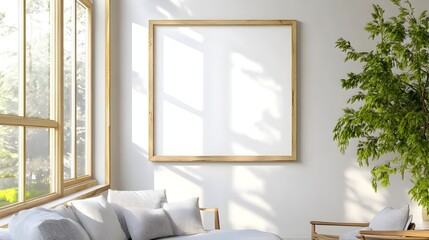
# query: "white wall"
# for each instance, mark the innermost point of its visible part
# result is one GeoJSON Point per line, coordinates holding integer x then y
{"type": "Point", "coordinates": [278, 197]}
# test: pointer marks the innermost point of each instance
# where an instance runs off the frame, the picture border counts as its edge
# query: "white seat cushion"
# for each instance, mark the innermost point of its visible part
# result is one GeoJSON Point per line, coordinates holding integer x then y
{"type": "Point", "coordinates": [5, 234]}
{"type": "Point", "coordinates": [248, 234]}
{"type": "Point", "coordinates": [352, 235]}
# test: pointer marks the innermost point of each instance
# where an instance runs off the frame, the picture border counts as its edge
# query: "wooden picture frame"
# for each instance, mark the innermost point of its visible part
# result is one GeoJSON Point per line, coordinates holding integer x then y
{"type": "Point", "coordinates": [222, 90]}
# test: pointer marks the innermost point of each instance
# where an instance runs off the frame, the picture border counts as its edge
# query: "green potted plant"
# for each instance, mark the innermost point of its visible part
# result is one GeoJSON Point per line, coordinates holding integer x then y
{"type": "Point", "coordinates": [389, 108]}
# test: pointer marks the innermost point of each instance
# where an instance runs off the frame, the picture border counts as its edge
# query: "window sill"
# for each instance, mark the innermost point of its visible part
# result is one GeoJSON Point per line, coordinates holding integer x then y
{"type": "Point", "coordinates": [89, 192]}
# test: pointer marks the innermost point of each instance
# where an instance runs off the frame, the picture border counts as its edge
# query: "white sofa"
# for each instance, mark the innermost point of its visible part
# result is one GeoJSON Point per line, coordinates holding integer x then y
{"type": "Point", "coordinates": [136, 215]}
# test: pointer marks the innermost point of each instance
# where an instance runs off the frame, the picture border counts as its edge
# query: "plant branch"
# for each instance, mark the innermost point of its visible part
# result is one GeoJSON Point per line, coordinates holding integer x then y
{"type": "Point", "coordinates": [424, 105]}
{"type": "Point", "coordinates": [411, 86]}
{"type": "Point", "coordinates": [425, 109]}
{"type": "Point", "coordinates": [394, 117]}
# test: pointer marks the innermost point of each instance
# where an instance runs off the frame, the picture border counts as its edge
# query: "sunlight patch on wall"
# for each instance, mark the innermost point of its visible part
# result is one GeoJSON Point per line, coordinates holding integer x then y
{"type": "Point", "coordinates": [175, 131]}
{"type": "Point", "coordinates": [139, 87]}
{"type": "Point", "coordinates": [259, 100]}
{"type": "Point", "coordinates": [185, 70]}
{"type": "Point", "coordinates": [251, 204]}
{"type": "Point", "coordinates": [180, 4]}
{"type": "Point", "coordinates": [361, 201]}
{"type": "Point", "coordinates": [180, 182]}
{"type": "Point", "coordinates": [248, 218]}
{"type": "Point", "coordinates": [164, 12]}
{"type": "Point", "coordinates": [140, 50]}
{"type": "Point", "coordinates": [188, 32]}
{"type": "Point", "coordinates": [139, 122]}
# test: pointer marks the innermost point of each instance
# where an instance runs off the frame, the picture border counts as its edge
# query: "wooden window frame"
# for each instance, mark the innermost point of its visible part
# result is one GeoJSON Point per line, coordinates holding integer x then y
{"type": "Point", "coordinates": [82, 179]}
{"type": "Point", "coordinates": [60, 187]}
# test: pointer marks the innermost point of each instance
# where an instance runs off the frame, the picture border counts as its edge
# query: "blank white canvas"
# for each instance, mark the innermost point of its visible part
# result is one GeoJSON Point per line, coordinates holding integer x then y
{"type": "Point", "coordinates": [223, 90]}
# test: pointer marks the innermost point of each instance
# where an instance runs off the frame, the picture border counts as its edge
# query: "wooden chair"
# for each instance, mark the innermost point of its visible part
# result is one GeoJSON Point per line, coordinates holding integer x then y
{"type": "Point", "coordinates": [368, 235]}
{"type": "Point", "coordinates": [395, 235]}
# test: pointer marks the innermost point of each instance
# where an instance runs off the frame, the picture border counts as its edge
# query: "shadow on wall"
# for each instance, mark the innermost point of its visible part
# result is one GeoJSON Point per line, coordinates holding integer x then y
{"type": "Point", "coordinates": [241, 192]}
{"type": "Point", "coordinates": [361, 204]}
{"type": "Point", "coordinates": [256, 196]}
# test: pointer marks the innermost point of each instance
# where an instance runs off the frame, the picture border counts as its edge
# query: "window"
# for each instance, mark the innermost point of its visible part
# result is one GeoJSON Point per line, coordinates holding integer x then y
{"type": "Point", "coordinates": [45, 114]}
{"type": "Point", "coordinates": [76, 91]}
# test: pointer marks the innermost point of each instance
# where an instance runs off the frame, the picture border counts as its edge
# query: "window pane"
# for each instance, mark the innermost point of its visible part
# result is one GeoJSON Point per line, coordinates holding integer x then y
{"type": "Point", "coordinates": [82, 88]}
{"type": "Point", "coordinates": [38, 162]}
{"type": "Point", "coordinates": [9, 165]}
{"type": "Point", "coordinates": [9, 57]}
{"type": "Point", "coordinates": [38, 37]}
{"type": "Point", "coordinates": [68, 87]}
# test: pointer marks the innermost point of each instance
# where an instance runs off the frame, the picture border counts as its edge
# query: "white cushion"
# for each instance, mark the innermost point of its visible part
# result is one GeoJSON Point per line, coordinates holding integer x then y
{"type": "Point", "coordinates": [409, 221]}
{"type": "Point", "coordinates": [28, 225]}
{"type": "Point", "coordinates": [98, 218]}
{"type": "Point", "coordinates": [352, 235]}
{"type": "Point", "coordinates": [61, 229]}
{"type": "Point", "coordinates": [134, 199]}
{"type": "Point", "coordinates": [185, 216]}
{"type": "Point", "coordinates": [390, 219]}
{"type": "Point", "coordinates": [241, 234]}
{"type": "Point", "coordinates": [5, 234]}
{"type": "Point", "coordinates": [146, 224]}
{"type": "Point", "coordinates": [66, 212]}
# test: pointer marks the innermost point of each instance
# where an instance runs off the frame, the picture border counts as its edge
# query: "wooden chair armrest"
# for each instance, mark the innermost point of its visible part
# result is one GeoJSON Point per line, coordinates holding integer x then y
{"type": "Point", "coordinates": [371, 237]}
{"type": "Point", "coordinates": [405, 235]}
{"type": "Point", "coordinates": [319, 236]}
{"type": "Point", "coordinates": [339, 224]}
{"type": "Point", "coordinates": [216, 216]}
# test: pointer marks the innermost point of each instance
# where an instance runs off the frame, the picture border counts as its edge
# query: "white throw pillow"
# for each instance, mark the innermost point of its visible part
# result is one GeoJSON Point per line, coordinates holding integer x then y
{"type": "Point", "coordinates": [98, 218]}
{"type": "Point", "coordinates": [134, 199]}
{"type": "Point", "coordinates": [61, 229]}
{"type": "Point", "coordinates": [28, 225]}
{"type": "Point", "coordinates": [185, 217]}
{"type": "Point", "coordinates": [146, 224]}
{"type": "Point", "coordinates": [66, 212]}
{"type": "Point", "coordinates": [390, 219]}
{"type": "Point", "coordinates": [409, 221]}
